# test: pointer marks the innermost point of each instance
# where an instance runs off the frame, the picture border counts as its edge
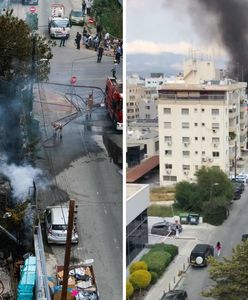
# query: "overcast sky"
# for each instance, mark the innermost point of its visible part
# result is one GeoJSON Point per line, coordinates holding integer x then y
{"type": "Point", "coordinates": [163, 27]}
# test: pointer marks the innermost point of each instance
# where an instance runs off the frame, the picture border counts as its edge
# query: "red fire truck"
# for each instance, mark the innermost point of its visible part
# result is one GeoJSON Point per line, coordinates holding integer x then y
{"type": "Point", "coordinates": [113, 101]}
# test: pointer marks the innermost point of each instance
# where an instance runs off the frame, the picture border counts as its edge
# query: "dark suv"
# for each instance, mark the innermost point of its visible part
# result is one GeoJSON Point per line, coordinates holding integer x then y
{"type": "Point", "coordinates": [199, 255]}
{"type": "Point", "coordinates": [166, 228]}
{"type": "Point", "coordinates": [175, 295]}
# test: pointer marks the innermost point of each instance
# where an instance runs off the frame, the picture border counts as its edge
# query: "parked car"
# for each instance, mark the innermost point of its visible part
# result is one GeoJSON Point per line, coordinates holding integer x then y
{"type": "Point", "coordinates": [56, 220]}
{"type": "Point", "coordinates": [199, 255]}
{"type": "Point", "coordinates": [165, 228]}
{"type": "Point", "coordinates": [76, 17]}
{"type": "Point", "coordinates": [175, 295]}
{"type": "Point", "coordinates": [244, 237]}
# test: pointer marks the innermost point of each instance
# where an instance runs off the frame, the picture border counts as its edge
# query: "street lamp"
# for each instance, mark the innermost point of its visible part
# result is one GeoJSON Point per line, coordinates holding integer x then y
{"type": "Point", "coordinates": [211, 190]}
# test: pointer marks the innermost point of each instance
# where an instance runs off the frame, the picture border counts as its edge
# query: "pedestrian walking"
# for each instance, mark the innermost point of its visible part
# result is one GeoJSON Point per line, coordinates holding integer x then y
{"type": "Point", "coordinates": [118, 54]}
{"type": "Point", "coordinates": [88, 6]}
{"type": "Point", "coordinates": [78, 40]}
{"type": "Point", "coordinates": [63, 37]}
{"type": "Point", "coordinates": [83, 7]}
{"type": "Point", "coordinates": [114, 69]}
{"type": "Point", "coordinates": [100, 52]}
{"type": "Point", "coordinates": [218, 248]}
{"type": "Point", "coordinates": [89, 106]}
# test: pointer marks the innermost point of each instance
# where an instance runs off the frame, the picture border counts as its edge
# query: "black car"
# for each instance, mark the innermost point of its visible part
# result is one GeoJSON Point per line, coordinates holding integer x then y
{"type": "Point", "coordinates": [199, 255]}
{"type": "Point", "coordinates": [166, 228]}
{"type": "Point", "coordinates": [175, 295]}
{"type": "Point", "coordinates": [244, 237]}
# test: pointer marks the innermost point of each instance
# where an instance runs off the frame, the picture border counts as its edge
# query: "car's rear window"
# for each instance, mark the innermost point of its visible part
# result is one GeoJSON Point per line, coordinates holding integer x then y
{"type": "Point", "coordinates": [59, 227]}
{"type": "Point", "coordinates": [77, 13]}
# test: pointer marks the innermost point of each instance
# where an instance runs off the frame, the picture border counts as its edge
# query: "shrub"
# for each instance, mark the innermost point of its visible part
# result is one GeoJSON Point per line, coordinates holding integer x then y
{"type": "Point", "coordinates": [157, 261]}
{"type": "Point", "coordinates": [129, 289]}
{"type": "Point", "coordinates": [138, 265]}
{"type": "Point", "coordinates": [154, 277]}
{"type": "Point", "coordinates": [140, 279]}
{"type": "Point", "coordinates": [172, 249]}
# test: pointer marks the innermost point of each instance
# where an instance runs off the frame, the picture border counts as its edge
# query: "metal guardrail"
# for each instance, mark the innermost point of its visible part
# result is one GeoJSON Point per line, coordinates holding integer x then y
{"type": "Point", "coordinates": [42, 288]}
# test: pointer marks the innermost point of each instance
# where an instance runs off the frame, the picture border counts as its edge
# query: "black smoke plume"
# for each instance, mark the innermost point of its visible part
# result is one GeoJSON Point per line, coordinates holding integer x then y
{"type": "Point", "coordinates": [221, 21]}
{"type": "Point", "coordinates": [232, 25]}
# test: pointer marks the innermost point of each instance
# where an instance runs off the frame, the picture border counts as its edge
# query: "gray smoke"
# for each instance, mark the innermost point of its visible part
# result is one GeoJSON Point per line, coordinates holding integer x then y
{"type": "Point", "coordinates": [222, 21]}
{"type": "Point", "coordinates": [21, 178]}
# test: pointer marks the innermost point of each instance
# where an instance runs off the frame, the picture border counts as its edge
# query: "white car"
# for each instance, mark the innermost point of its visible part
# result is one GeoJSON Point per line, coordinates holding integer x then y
{"type": "Point", "coordinates": [56, 25]}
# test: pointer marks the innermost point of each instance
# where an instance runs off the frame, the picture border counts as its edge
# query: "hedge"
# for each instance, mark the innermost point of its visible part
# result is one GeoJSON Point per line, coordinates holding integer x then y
{"type": "Point", "coordinates": [129, 289]}
{"type": "Point", "coordinates": [157, 261]}
{"type": "Point", "coordinates": [140, 279]}
{"type": "Point", "coordinates": [154, 277]}
{"type": "Point", "coordinates": [138, 265]}
{"type": "Point", "coordinates": [172, 249]}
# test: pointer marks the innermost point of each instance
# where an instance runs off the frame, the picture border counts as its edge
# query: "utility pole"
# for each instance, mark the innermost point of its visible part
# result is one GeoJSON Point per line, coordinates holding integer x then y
{"type": "Point", "coordinates": [235, 160]}
{"type": "Point", "coordinates": [68, 249]}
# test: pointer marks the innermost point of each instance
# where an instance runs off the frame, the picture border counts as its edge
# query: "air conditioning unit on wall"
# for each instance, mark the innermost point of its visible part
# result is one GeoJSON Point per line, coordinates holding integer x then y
{"type": "Point", "coordinates": [186, 172]}
{"type": "Point", "coordinates": [168, 172]}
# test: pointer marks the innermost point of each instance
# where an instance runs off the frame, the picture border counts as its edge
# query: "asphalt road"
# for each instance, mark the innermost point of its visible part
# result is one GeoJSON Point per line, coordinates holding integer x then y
{"type": "Point", "coordinates": [79, 166]}
{"type": "Point", "coordinates": [229, 234]}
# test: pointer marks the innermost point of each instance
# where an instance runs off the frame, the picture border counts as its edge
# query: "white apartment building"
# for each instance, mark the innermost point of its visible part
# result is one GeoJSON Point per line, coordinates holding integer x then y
{"type": "Point", "coordinates": [199, 125]}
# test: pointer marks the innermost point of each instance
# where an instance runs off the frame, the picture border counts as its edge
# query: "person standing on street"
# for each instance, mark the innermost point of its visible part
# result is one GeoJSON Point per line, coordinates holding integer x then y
{"type": "Point", "coordinates": [83, 7]}
{"type": "Point", "coordinates": [63, 37]}
{"type": "Point", "coordinates": [114, 69]}
{"type": "Point", "coordinates": [89, 106]}
{"type": "Point", "coordinates": [78, 40]}
{"type": "Point", "coordinates": [118, 54]}
{"type": "Point", "coordinates": [218, 248]}
{"type": "Point", "coordinates": [100, 52]}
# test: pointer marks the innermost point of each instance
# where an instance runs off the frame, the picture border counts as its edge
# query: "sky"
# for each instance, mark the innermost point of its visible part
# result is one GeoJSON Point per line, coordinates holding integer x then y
{"type": "Point", "coordinates": [161, 33]}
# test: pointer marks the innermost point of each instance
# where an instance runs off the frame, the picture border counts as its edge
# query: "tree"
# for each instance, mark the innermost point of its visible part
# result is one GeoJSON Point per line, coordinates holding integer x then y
{"type": "Point", "coordinates": [187, 196]}
{"type": "Point", "coordinates": [20, 50]}
{"type": "Point", "coordinates": [138, 265]}
{"type": "Point", "coordinates": [140, 279]}
{"type": "Point", "coordinates": [129, 289]}
{"type": "Point", "coordinates": [230, 276]}
{"type": "Point", "coordinates": [109, 12]}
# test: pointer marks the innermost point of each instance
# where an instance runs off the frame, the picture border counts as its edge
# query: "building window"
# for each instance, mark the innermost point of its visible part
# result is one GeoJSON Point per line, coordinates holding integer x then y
{"type": "Point", "coordinates": [216, 154]}
{"type": "Point", "coordinates": [131, 104]}
{"type": "Point", "coordinates": [168, 166]}
{"type": "Point", "coordinates": [186, 167]}
{"type": "Point", "coordinates": [196, 167]}
{"type": "Point", "coordinates": [167, 139]}
{"type": "Point", "coordinates": [168, 152]}
{"type": "Point", "coordinates": [196, 138]}
{"type": "Point", "coordinates": [185, 111]}
{"type": "Point", "coordinates": [203, 138]}
{"type": "Point", "coordinates": [147, 107]}
{"type": "Point", "coordinates": [215, 140]}
{"type": "Point", "coordinates": [203, 124]}
{"type": "Point", "coordinates": [203, 109]}
{"type": "Point", "coordinates": [196, 124]}
{"type": "Point", "coordinates": [185, 139]}
{"type": "Point", "coordinates": [169, 178]}
{"type": "Point", "coordinates": [196, 152]}
{"type": "Point", "coordinates": [186, 153]}
{"type": "Point", "coordinates": [185, 125]}
{"type": "Point", "coordinates": [203, 153]}
{"type": "Point", "coordinates": [195, 110]}
{"type": "Point", "coordinates": [215, 126]}
{"type": "Point", "coordinates": [156, 145]}
{"type": "Point", "coordinates": [215, 112]}
{"type": "Point", "coordinates": [167, 124]}
{"type": "Point", "coordinates": [148, 116]}
{"type": "Point", "coordinates": [167, 111]}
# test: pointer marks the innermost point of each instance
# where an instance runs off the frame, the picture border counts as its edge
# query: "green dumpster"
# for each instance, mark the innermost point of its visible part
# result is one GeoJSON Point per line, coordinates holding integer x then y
{"type": "Point", "coordinates": [194, 219]}
{"type": "Point", "coordinates": [184, 218]}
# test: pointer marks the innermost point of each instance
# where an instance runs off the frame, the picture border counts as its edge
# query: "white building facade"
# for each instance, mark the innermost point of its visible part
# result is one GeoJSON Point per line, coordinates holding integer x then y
{"type": "Point", "coordinates": [200, 125]}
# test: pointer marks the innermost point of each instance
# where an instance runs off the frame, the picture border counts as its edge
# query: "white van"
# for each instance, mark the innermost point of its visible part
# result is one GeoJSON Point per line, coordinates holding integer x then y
{"type": "Point", "coordinates": [56, 220]}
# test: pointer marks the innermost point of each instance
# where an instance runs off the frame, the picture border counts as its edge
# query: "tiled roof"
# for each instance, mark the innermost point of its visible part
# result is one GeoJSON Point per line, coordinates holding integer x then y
{"type": "Point", "coordinates": [138, 171]}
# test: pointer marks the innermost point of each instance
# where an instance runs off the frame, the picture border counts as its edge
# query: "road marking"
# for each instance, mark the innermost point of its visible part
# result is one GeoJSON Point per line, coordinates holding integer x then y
{"type": "Point", "coordinates": [105, 210]}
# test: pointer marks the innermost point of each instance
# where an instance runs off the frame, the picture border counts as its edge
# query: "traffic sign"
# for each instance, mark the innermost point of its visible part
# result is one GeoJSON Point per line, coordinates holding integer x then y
{"type": "Point", "coordinates": [32, 9]}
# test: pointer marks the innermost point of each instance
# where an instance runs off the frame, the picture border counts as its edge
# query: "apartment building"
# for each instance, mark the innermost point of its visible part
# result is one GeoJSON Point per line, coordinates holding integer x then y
{"type": "Point", "coordinates": [201, 123]}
